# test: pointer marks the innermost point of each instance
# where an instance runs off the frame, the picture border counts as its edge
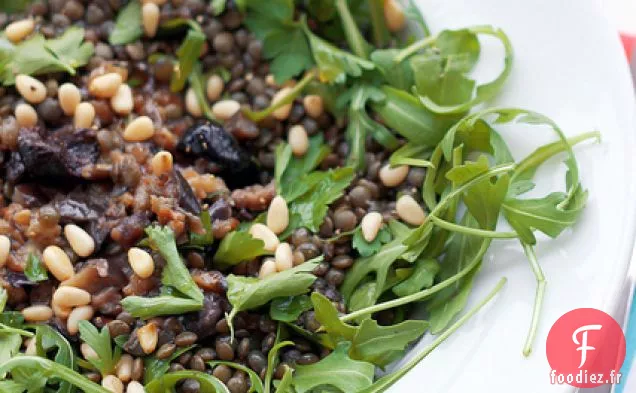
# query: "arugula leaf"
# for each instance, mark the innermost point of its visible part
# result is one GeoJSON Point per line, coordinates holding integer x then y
{"type": "Point", "coordinates": [148, 307]}
{"type": "Point", "coordinates": [422, 277]}
{"type": "Point", "coordinates": [37, 55]}
{"type": "Point", "coordinates": [167, 383]}
{"type": "Point", "coordinates": [413, 13]}
{"type": "Point", "coordinates": [337, 371]}
{"type": "Point", "coordinates": [327, 315]}
{"type": "Point", "coordinates": [354, 37]}
{"type": "Point", "coordinates": [10, 344]}
{"type": "Point", "coordinates": [11, 387]}
{"type": "Point", "coordinates": [256, 385]}
{"type": "Point", "coordinates": [155, 368]}
{"type": "Point", "coordinates": [288, 309]}
{"type": "Point", "coordinates": [128, 27]}
{"type": "Point", "coordinates": [272, 359]}
{"type": "Point", "coordinates": [46, 339]}
{"type": "Point", "coordinates": [100, 342]}
{"type": "Point", "coordinates": [187, 56]}
{"type": "Point", "coordinates": [399, 75]}
{"type": "Point", "coordinates": [246, 293]}
{"type": "Point", "coordinates": [14, 319]}
{"type": "Point", "coordinates": [237, 247]}
{"type": "Point", "coordinates": [379, 30]}
{"type": "Point", "coordinates": [367, 249]}
{"type": "Point", "coordinates": [290, 169]}
{"type": "Point", "coordinates": [34, 270]}
{"type": "Point", "coordinates": [218, 6]}
{"type": "Point", "coordinates": [284, 42]}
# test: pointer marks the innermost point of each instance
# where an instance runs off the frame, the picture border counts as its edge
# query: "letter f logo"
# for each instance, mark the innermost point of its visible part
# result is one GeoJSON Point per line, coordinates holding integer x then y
{"type": "Point", "coordinates": [583, 344]}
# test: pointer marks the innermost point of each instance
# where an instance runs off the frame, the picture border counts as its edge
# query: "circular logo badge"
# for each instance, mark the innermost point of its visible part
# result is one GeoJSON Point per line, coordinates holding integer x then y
{"type": "Point", "coordinates": [585, 349]}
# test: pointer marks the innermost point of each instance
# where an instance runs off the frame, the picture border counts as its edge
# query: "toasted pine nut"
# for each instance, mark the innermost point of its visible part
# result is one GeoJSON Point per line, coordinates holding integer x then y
{"type": "Point", "coordinates": [123, 369]}
{"type": "Point", "coordinates": [282, 113]}
{"type": "Point", "coordinates": [148, 336]}
{"type": "Point", "coordinates": [30, 88]}
{"type": "Point", "coordinates": [88, 352]}
{"type": "Point", "coordinates": [5, 249]}
{"type": "Point", "coordinates": [371, 224]}
{"type": "Point", "coordinates": [71, 297]}
{"type": "Point", "coordinates": [37, 313]}
{"type": "Point", "coordinates": [284, 257]}
{"type": "Point", "coordinates": [31, 348]}
{"type": "Point", "coordinates": [19, 30]}
{"type": "Point", "coordinates": [58, 263]}
{"type": "Point", "coordinates": [122, 101]}
{"type": "Point", "coordinates": [192, 103]}
{"type": "Point", "coordinates": [161, 163]}
{"type": "Point", "coordinates": [81, 242]}
{"type": "Point", "coordinates": [278, 215]}
{"type": "Point", "coordinates": [150, 18]}
{"type": "Point", "coordinates": [141, 262]}
{"type": "Point", "coordinates": [105, 86]}
{"type": "Point", "coordinates": [260, 231]}
{"type": "Point", "coordinates": [112, 383]}
{"type": "Point", "coordinates": [84, 115]}
{"type": "Point", "coordinates": [139, 129]}
{"type": "Point", "coordinates": [25, 115]}
{"type": "Point", "coordinates": [69, 96]}
{"type": "Point", "coordinates": [394, 16]}
{"type": "Point", "coordinates": [214, 87]}
{"type": "Point", "coordinates": [393, 177]}
{"type": "Point", "coordinates": [298, 140]}
{"type": "Point", "coordinates": [313, 105]}
{"type": "Point", "coordinates": [82, 313]}
{"type": "Point", "coordinates": [409, 210]}
{"type": "Point", "coordinates": [225, 109]}
{"type": "Point", "coordinates": [61, 311]}
{"type": "Point", "coordinates": [135, 387]}
{"type": "Point", "coordinates": [267, 268]}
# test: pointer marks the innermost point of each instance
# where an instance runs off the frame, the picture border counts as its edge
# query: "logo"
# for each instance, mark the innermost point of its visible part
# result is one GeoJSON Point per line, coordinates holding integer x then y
{"type": "Point", "coordinates": [585, 349]}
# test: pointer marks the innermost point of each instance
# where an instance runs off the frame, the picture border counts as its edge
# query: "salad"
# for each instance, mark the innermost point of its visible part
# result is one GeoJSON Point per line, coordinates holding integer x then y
{"type": "Point", "coordinates": [252, 196]}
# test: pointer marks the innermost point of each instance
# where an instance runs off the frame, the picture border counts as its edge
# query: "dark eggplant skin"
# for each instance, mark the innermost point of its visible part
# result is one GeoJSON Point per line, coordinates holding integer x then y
{"type": "Point", "coordinates": [209, 140]}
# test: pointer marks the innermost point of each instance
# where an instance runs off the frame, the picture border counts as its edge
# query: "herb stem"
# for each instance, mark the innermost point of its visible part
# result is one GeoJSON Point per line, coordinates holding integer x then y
{"type": "Point", "coordinates": [288, 99]}
{"type": "Point", "coordinates": [384, 383]}
{"type": "Point", "coordinates": [412, 162]}
{"type": "Point", "coordinates": [414, 47]}
{"type": "Point", "coordinates": [354, 38]}
{"type": "Point", "coordinates": [472, 231]}
{"type": "Point", "coordinates": [378, 26]}
{"type": "Point", "coordinates": [9, 329]}
{"type": "Point", "coordinates": [538, 300]}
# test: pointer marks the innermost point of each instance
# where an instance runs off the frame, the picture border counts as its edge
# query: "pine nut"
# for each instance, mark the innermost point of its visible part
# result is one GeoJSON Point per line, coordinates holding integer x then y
{"type": "Point", "coordinates": [122, 101]}
{"type": "Point", "coordinates": [123, 369]}
{"type": "Point", "coordinates": [105, 86]}
{"type": "Point", "coordinates": [313, 105]}
{"type": "Point", "coordinates": [30, 88]}
{"type": "Point", "coordinates": [88, 352]}
{"type": "Point", "coordinates": [394, 16]}
{"type": "Point", "coordinates": [284, 257]}
{"type": "Point", "coordinates": [69, 96]}
{"type": "Point", "coordinates": [19, 30]}
{"type": "Point", "coordinates": [135, 387]}
{"type": "Point", "coordinates": [139, 129]}
{"type": "Point", "coordinates": [214, 88]}
{"type": "Point", "coordinates": [298, 140]}
{"type": "Point", "coordinates": [25, 115]}
{"type": "Point", "coordinates": [371, 224]}
{"type": "Point", "coordinates": [83, 313]}
{"type": "Point", "coordinates": [71, 297]}
{"type": "Point", "coordinates": [81, 242]}
{"type": "Point", "coordinates": [270, 81]}
{"type": "Point", "coordinates": [278, 215]}
{"type": "Point", "coordinates": [283, 112]}
{"type": "Point", "coordinates": [61, 311]}
{"type": "Point", "coordinates": [148, 336]}
{"type": "Point", "coordinates": [141, 262]}
{"type": "Point", "coordinates": [409, 210]}
{"type": "Point", "coordinates": [150, 18]}
{"type": "Point", "coordinates": [161, 163]}
{"type": "Point", "coordinates": [58, 263]}
{"type": "Point", "coordinates": [192, 103]}
{"type": "Point", "coordinates": [225, 109]}
{"type": "Point", "coordinates": [267, 268]}
{"type": "Point", "coordinates": [260, 231]}
{"type": "Point", "coordinates": [84, 115]}
{"type": "Point", "coordinates": [393, 177]}
{"type": "Point", "coordinates": [37, 313]}
{"type": "Point", "coordinates": [31, 348]}
{"type": "Point", "coordinates": [5, 249]}
{"type": "Point", "coordinates": [112, 383]}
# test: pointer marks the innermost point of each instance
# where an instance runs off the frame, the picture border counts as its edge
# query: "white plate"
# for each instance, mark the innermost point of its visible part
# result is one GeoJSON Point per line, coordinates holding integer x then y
{"type": "Point", "coordinates": [568, 65]}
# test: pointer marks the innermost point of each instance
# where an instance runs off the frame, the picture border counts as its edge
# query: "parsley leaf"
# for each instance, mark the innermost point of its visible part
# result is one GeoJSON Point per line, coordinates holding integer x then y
{"type": "Point", "coordinates": [34, 269]}
{"type": "Point", "coordinates": [237, 247]}
{"type": "Point", "coordinates": [100, 342]}
{"type": "Point", "coordinates": [290, 169]}
{"type": "Point", "coordinates": [128, 27]}
{"type": "Point", "coordinates": [206, 239]}
{"type": "Point", "coordinates": [367, 249]}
